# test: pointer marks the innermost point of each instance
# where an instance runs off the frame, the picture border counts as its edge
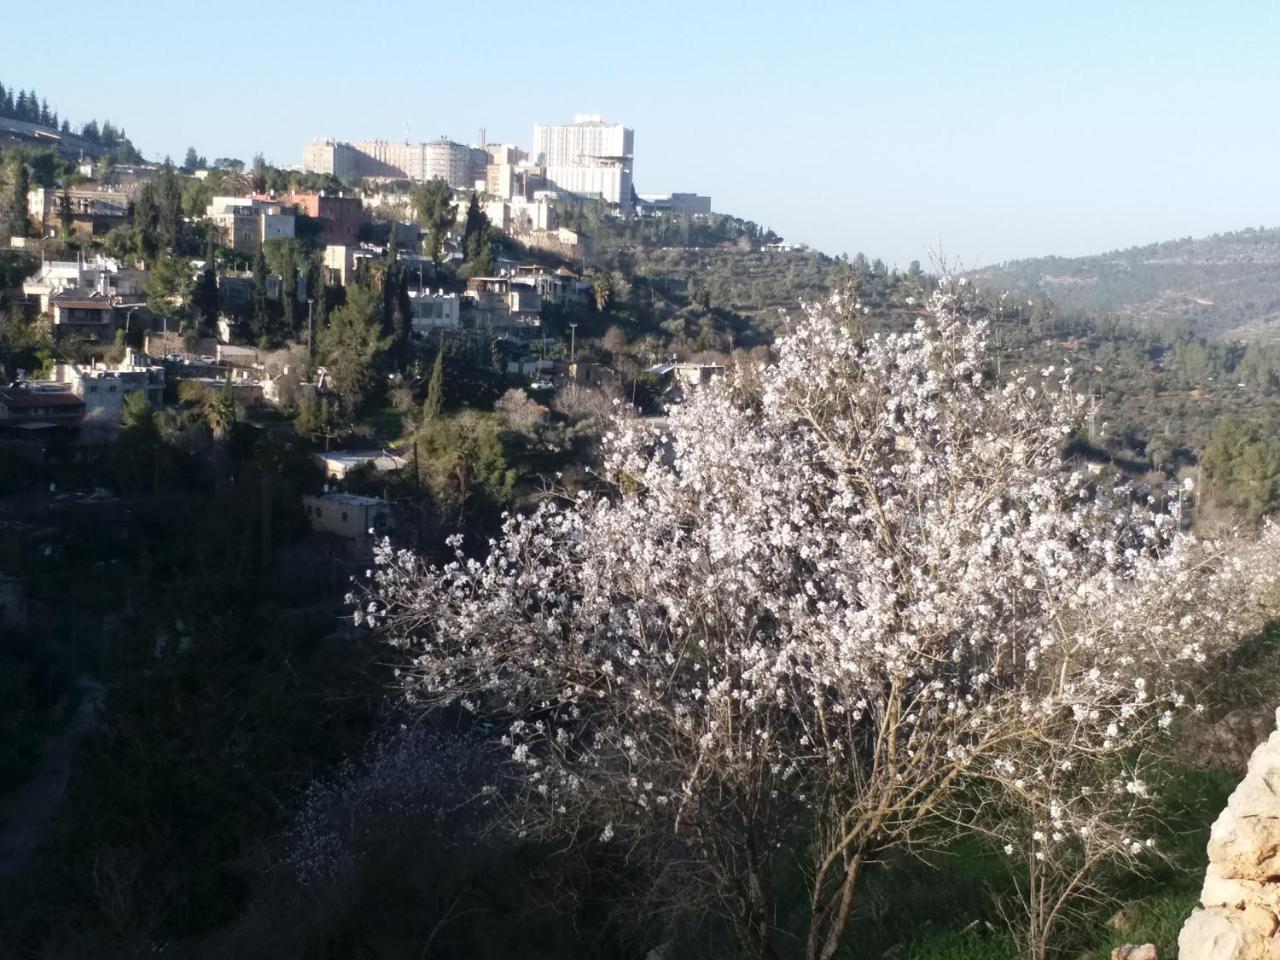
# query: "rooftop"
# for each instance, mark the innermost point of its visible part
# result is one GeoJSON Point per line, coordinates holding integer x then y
{"type": "Point", "coordinates": [351, 500]}
{"type": "Point", "coordinates": [22, 398]}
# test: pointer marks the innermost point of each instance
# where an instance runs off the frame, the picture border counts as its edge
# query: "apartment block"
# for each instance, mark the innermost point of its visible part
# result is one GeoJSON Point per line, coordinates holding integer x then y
{"type": "Point", "coordinates": [590, 157]}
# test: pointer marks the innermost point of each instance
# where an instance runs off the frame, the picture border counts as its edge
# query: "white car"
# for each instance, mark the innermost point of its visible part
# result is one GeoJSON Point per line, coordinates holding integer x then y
{"type": "Point", "coordinates": [542, 385]}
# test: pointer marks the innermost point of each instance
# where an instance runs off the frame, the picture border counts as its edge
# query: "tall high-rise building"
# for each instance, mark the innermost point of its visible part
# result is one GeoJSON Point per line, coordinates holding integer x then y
{"type": "Point", "coordinates": [590, 157]}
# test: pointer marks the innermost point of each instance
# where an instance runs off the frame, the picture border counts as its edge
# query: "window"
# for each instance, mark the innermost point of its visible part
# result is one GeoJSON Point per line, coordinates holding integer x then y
{"type": "Point", "coordinates": [93, 388]}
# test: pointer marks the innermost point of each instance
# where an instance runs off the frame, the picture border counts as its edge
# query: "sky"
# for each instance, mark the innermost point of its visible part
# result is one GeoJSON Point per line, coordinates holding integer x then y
{"type": "Point", "coordinates": [977, 132]}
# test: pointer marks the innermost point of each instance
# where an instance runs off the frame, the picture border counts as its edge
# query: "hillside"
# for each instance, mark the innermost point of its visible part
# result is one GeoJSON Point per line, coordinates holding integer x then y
{"type": "Point", "coordinates": [1226, 286]}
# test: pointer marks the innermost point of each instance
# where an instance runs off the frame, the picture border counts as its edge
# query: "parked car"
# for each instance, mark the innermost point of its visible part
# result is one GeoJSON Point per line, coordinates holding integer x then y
{"type": "Point", "coordinates": [542, 385]}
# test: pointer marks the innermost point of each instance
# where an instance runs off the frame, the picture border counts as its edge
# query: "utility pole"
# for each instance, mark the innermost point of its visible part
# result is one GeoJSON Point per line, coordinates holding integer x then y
{"type": "Point", "coordinates": [310, 349]}
{"type": "Point", "coordinates": [573, 341]}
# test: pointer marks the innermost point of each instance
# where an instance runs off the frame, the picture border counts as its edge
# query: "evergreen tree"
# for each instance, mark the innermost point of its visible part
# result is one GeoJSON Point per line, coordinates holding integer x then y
{"type": "Point", "coordinates": [435, 211]}
{"type": "Point", "coordinates": [19, 185]}
{"type": "Point", "coordinates": [191, 162]}
{"type": "Point", "coordinates": [476, 242]}
{"type": "Point", "coordinates": [351, 345]}
{"type": "Point", "coordinates": [260, 322]}
{"type": "Point", "coordinates": [433, 406]}
{"type": "Point", "coordinates": [204, 299]}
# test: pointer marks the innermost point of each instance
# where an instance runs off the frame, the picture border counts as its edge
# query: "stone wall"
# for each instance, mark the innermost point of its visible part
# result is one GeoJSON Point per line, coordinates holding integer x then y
{"type": "Point", "coordinates": [1239, 912]}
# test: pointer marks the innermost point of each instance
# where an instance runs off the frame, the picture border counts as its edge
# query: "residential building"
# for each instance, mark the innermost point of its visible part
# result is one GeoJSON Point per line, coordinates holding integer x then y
{"type": "Point", "coordinates": [679, 379]}
{"type": "Point", "coordinates": [503, 174]}
{"type": "Point", "coordinates": [235, 290]}
{"type": "Point", "coordinates": [30, 404]}
{"type": "Point", "coordinates": [590, 157]}
{"type": "Point", "coordinates": [504, 304]}
{"type": "Point", "coordinates": [340, 264]}
{"type": "Point", "coordinates": [676, 204]}
{"type": "Point", "coordinates": [104, 387]}
{"type": "Point", "coordinates": [340, 216]}
{"type": "Point", "coordinates": [357, 522]}
{"type": "Point", "coordinates": [434, 311]}
{"type": "Point", "coordinates": [83, 313]}
{"type": "Point", "coordinates": [88, 211]}
{"type": "Point", "coordinates": [102, 275]}
{"type": "Point", "coordinates": [526, 215]}
{"type": "Point", "coordinates": [589, 374]}
{"type": "Point", "coordinates": [563, 241]}
{"type": "Point", "coordinates": [247, 222]}
{"type": "Point", "coordinates": [338, 463]}
{"type": "Point", "coordinates": [340, 160]}
{"type": "Point", "coordinates": [457, 164]}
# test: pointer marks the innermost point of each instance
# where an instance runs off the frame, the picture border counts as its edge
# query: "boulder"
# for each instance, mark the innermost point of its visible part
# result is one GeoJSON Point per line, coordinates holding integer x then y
{"type": "Point", "coordinates": [1135, 951]}
{"type": "Point", "coordinates": [1239, 913]}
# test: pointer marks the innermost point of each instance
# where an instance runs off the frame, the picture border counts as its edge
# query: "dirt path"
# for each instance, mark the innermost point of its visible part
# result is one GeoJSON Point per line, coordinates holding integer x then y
{"type": "Point", "coordinates": [24, 817]}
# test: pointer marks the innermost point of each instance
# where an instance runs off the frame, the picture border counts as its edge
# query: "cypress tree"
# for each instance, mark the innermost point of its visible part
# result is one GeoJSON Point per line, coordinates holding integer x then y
{"type": "Point", "coordinates": [434, 404]}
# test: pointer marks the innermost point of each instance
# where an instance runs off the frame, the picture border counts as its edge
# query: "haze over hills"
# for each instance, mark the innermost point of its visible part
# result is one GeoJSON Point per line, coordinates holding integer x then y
{"type": "Point", "coordinates": [1226, 286]}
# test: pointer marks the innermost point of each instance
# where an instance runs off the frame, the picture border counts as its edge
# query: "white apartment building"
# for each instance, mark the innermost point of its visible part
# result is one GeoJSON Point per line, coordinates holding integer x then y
{"type": "Point", "coordinates": [590, 157]}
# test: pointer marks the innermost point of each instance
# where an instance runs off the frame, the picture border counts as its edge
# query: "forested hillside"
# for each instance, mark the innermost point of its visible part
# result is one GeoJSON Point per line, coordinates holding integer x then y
{"type": "Point", "coordinates": [1225, 286]}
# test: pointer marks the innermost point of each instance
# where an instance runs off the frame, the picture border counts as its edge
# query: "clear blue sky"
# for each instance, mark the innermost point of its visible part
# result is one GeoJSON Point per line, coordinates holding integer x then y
{"type": "Point", "coordinates": [994, 129]}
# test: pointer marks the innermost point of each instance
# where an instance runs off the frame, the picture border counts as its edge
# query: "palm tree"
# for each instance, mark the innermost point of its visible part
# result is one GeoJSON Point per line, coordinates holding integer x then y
{"type": "Point", "coordinates": [220, 411]}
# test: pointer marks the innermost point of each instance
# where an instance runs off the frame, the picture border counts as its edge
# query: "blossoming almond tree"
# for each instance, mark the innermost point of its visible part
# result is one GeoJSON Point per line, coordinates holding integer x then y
{"type": "Point", "coordinates": [817, 615]}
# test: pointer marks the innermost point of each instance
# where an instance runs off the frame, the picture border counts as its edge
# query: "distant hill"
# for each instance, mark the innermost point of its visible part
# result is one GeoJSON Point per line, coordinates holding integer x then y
{"type": "Point", "coordinates": [1226, 286]}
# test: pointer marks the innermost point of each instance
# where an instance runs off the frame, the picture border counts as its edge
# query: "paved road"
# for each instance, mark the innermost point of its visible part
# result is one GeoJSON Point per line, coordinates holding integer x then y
{"type": "Point", "coordinates": [33, 804]}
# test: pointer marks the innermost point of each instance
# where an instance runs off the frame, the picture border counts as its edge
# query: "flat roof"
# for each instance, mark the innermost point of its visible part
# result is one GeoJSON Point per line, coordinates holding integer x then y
{"type": "Point", "coordinates": [357, 456]}
{"type": "Point", "coordinates": [350, 500]}
{"type": "Point", "coordinates": [41, 398]}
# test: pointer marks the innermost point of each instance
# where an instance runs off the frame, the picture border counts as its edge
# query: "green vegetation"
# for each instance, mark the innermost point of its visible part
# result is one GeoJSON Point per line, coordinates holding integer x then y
{"type": "Point", "coordinates": [1225, 285]}
{"type": "Point", "coordinates": [435, 211]}
{"type": "Point", "coordinates": [235, 685]}
{"type": "Point", "coordinates": [29, 107]}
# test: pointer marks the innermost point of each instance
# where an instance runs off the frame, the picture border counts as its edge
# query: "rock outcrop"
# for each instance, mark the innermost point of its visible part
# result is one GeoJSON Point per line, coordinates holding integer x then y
{"type": "Point", "coordinates": [1239, 913]}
